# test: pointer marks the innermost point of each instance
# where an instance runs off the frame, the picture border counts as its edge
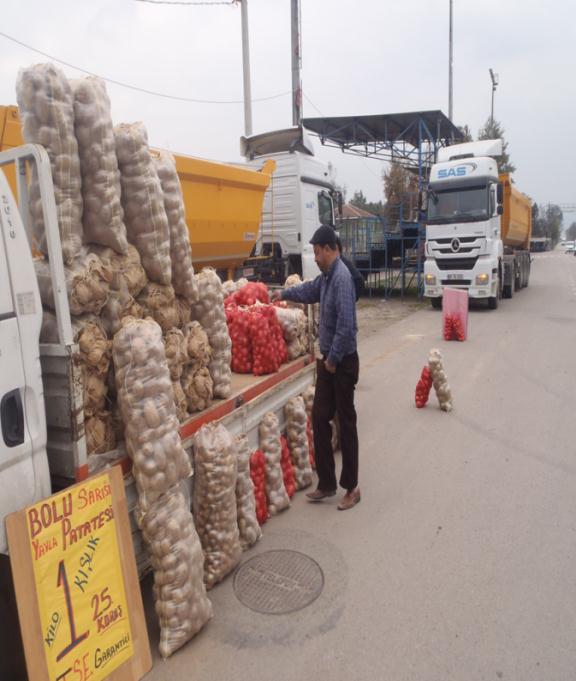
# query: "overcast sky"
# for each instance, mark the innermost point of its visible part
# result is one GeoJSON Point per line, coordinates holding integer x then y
{"type": "Point", "coordinates": [362, 57]}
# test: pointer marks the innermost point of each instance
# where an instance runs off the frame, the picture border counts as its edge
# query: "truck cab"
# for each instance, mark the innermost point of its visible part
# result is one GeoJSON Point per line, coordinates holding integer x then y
{"type": "Point", "coordinates": [301, 196]}
{"type": "Point", "coordinates": [464, 247]}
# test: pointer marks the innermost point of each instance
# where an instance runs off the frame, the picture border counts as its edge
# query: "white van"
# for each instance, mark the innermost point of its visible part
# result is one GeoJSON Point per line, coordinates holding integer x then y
{"type": "Point", "coordinates": [24, 476]}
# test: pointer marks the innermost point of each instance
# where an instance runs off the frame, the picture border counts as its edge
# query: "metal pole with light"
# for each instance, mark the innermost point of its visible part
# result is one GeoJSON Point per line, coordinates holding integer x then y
{"type": "Point", "coordinates": [246, 70]}
{"type": "Point", "coordinates": [296, 63]}
{"type": "Point", "coordinates": [494, 78]}
{"type": "Point", "coordinates": [450, 67]}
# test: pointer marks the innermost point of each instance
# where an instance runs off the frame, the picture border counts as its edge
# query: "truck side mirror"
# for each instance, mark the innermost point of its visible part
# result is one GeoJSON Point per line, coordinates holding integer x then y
{"type": "Point", "coordinates": [500, 209]}
{"type": "Point", "coordinates": [500, 194]}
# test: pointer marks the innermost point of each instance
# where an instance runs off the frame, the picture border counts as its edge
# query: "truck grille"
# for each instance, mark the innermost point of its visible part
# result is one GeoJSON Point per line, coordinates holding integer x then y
{"type": "Point", "coordinates": [462, 239]}
{"type": "Point", "coordinates": [454, 283]}
{"type": "Point", "coordinates": [456, 263]}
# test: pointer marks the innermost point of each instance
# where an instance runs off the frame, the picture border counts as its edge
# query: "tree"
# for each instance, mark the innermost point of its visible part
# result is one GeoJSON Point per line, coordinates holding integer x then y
{"type": "Point", "coordinates": [547, 221]}
{"type": "Point", "coordinates": [359, 200]}
{"type": "Point", "coordinates": [401, 193]}
{"type": "Point", "coordinates": [492, 130]}
{"type": "Point", "coordinates": [571, 232]}
{"type": "Point", "coordinates": [466, 134]}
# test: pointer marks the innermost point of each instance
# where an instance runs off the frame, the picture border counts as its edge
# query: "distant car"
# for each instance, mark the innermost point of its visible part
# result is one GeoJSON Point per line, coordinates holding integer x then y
{"type": "Point", "coordinates": [569, 247]}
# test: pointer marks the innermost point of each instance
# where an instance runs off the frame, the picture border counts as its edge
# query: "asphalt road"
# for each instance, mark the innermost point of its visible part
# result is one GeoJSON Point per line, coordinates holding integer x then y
{"type": "Point", "coordinates": [459, 564]}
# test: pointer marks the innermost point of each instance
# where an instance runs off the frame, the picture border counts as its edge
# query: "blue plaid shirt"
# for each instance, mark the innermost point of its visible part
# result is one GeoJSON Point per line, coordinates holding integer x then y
{"type": "Point", "coordinates": [337, 296]}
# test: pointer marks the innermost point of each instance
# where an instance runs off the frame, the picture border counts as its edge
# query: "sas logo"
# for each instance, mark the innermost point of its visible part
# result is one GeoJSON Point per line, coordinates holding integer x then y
{"type": "Point", "coordinates": [457, 171]}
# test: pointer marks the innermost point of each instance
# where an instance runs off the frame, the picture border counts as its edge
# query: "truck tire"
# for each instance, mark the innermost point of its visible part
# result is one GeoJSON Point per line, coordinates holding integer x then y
{"type": "Point", "coordinates": [508, 290]}
{"type": "Point", "coordinates": [436, 303]}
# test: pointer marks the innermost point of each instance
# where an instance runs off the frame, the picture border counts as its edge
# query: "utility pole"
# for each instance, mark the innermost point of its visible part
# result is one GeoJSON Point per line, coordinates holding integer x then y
{"type": "Point", "coordinates": [246, 70]}
{"type": "Point", "coordinates": [296, 64]}
{"type": "Point", "coordinates": [494, 78]}
{"type": "Point", "coordinates": [450, 68]}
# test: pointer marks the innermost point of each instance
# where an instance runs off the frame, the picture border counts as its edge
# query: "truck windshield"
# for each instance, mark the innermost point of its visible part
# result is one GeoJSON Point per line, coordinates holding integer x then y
{"type": "Point", "coordinates": [325, 209]}
{"type": "Point", "coordinates": [465, 204]}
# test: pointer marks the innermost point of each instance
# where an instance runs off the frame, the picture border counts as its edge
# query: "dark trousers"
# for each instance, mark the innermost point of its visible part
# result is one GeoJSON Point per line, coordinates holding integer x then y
{"type": "Point", "coordinates": [335, 395]}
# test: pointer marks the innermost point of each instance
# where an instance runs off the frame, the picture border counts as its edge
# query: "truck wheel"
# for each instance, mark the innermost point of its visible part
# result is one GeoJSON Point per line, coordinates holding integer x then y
{"type": "Point", "coordinates": [436, 303]}
{"type": "Point", "coordinates": [508, 290]}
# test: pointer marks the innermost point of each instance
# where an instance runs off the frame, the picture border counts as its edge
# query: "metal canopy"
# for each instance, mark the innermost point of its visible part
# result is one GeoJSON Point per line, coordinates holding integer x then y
{"type": "Point", "coordinates": [410, 138]}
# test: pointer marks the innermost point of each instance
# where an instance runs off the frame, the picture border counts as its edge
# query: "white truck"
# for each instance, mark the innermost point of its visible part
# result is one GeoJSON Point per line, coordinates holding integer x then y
{"type": "Point", "coordinates": [478, 226]}
{"type": "Point", "coordinates": [300, 197]}
{"type": "Point", "coordinates": [43, 444]}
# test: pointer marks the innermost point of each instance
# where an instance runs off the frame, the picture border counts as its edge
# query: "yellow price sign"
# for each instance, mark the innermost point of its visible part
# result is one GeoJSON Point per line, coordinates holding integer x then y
{"type": "Point", "coordinates": [79, 583]}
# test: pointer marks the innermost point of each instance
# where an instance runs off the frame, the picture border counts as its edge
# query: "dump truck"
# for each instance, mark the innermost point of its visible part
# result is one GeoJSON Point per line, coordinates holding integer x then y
{"type": "Point", "coordinates": [223, 201]}
{"type": "Point", "coordinates": [478, 226]}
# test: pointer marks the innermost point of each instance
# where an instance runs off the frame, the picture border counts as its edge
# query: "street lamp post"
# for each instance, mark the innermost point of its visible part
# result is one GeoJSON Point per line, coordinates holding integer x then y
{"type": "Point", "coordinates": [494, 78]}
{"type": "Point", "coordinates": [450, 67]}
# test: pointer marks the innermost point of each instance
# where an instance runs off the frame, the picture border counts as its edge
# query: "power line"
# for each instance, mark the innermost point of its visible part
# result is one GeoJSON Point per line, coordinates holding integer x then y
{"type": "Point", "coordinates": [175, 2]}
{"type": "Point", "coordinates": [141, 89]}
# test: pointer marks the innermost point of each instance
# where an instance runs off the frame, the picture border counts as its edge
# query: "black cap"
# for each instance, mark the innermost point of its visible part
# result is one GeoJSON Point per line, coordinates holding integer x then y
{"type": "Point", "coordinates": [324, 235]}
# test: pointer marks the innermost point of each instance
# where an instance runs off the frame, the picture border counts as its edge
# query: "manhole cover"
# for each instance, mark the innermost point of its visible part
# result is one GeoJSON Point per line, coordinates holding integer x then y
{"type": "Point", "coordinates": [278, 582]}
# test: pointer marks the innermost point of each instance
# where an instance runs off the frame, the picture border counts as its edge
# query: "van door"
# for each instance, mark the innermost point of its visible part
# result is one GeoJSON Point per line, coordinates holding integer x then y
{"type": "Point", "coordinates": [24, 476]}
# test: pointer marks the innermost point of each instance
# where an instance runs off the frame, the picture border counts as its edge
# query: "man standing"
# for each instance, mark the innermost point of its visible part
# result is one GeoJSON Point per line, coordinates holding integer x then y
{"type": "Point", "coordinates": [337, 371]}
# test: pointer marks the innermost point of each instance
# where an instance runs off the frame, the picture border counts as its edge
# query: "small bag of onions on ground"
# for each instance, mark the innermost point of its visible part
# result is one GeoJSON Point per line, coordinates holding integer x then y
{"type": "Point", "coordinates": [215, 470]}
{"type": "Point", "coordinates": [103, 217]}
{"type": "Point", "coordinates": [209, 311]}
{"type": "Point", "coordinates": [87, 284]}
{"type": "Point", "coordinates": [143, 202]}
{"type": "Point", "coordinates": [439, 380]}
{"type": "Point", "coordinates": [297, 437]}
{"type": "Point", "coordinates": [159, 302]}
{"type": "Point", "coordinates": [177, 560]}
{"type": "Point", "coordinates": [183, 280]}
{"type": "Point", "coordinates": [278, 499]}
{"type": "Point", "coordinates": [248, 524]}
{"type": "Point", "coordinates": [46, 107]}
{"type": "Point", "coordinates": [148, 411]}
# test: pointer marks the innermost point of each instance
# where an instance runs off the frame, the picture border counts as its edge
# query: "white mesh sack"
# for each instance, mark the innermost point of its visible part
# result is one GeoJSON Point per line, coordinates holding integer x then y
{"type": "Point", "coordinates": [183, 280]}
{"type": "Point", "coordinates": [147, 406]}
{"type": "Point", "coordinates": [120, 304]}
{"type": "Point", "coordinates": [214, 501]}
{"type": "Point", "coordinates": [159, 302]}
{"type": "Point", "coordinates": [127, 270]}
{"type": "Point", "coordinates": [143, 202]}
{"type": "Point", "coordinates": [209, 311]}
{"type": "Point", "coordinates": [197, 345]}
{"type": "Point", "coordinates": [103, 217]}
{"type": "Point", "coordinates": [176, 352]}
{"type": "Point", "coordinates": [308, 397]}
{"type": "Point", "coordinates": [181, 603]}
{"type": "Point", "coordinates": [46, 107]}
{"type": "Point", "coordinates": [87, 283]}
{"type": "Point", "coordinates": [248, 524]}
{"type": "Point", "coordinates": [294, 325]}
{"type": "Point", "coordinates": [297, 438]}
{"type": "Point", "coordinates": [276, 494]}
{"type": "Point", "coordinates": [180, 401]}
{"type": "Point", "coordinates": [439, 380]}
{"type": "Point", "coordinates": [198, 388]}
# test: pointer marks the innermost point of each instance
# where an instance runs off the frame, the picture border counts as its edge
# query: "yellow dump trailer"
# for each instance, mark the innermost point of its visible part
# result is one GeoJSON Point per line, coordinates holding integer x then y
{"type": "Point", "coordinates": [223, 201]}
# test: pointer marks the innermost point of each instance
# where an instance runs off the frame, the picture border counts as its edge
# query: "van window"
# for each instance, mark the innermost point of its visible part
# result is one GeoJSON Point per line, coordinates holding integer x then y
{"type": "Point", "coordinates": [325, 209]}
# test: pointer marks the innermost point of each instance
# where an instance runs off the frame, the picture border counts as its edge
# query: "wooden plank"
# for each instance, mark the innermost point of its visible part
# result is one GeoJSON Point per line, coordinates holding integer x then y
{"type": "Point", "coordinates": [22, 562]}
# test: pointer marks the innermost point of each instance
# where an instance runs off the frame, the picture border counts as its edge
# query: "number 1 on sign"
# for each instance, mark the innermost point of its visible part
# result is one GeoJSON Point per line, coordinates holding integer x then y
{"type": "Point", "coordinates": [74, 640]}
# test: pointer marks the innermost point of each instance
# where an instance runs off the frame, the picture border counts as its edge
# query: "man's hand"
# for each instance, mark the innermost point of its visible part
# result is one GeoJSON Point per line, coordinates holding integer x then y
{"type": "Point", "coordinates": [275, 295]}
{"type": "Point", "coordinates": [330, 368]}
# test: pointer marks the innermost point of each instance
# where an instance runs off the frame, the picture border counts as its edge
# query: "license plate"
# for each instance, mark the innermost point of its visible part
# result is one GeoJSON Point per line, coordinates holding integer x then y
{"type": "Point", "coordinates": [455, 276]}
{"type": "Point", "coordinates": [248, 272]}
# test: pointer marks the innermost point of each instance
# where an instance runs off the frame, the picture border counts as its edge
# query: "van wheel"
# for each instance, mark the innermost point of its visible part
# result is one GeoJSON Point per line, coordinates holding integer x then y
{"type": "Point", "coordinates": [436, 303]}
